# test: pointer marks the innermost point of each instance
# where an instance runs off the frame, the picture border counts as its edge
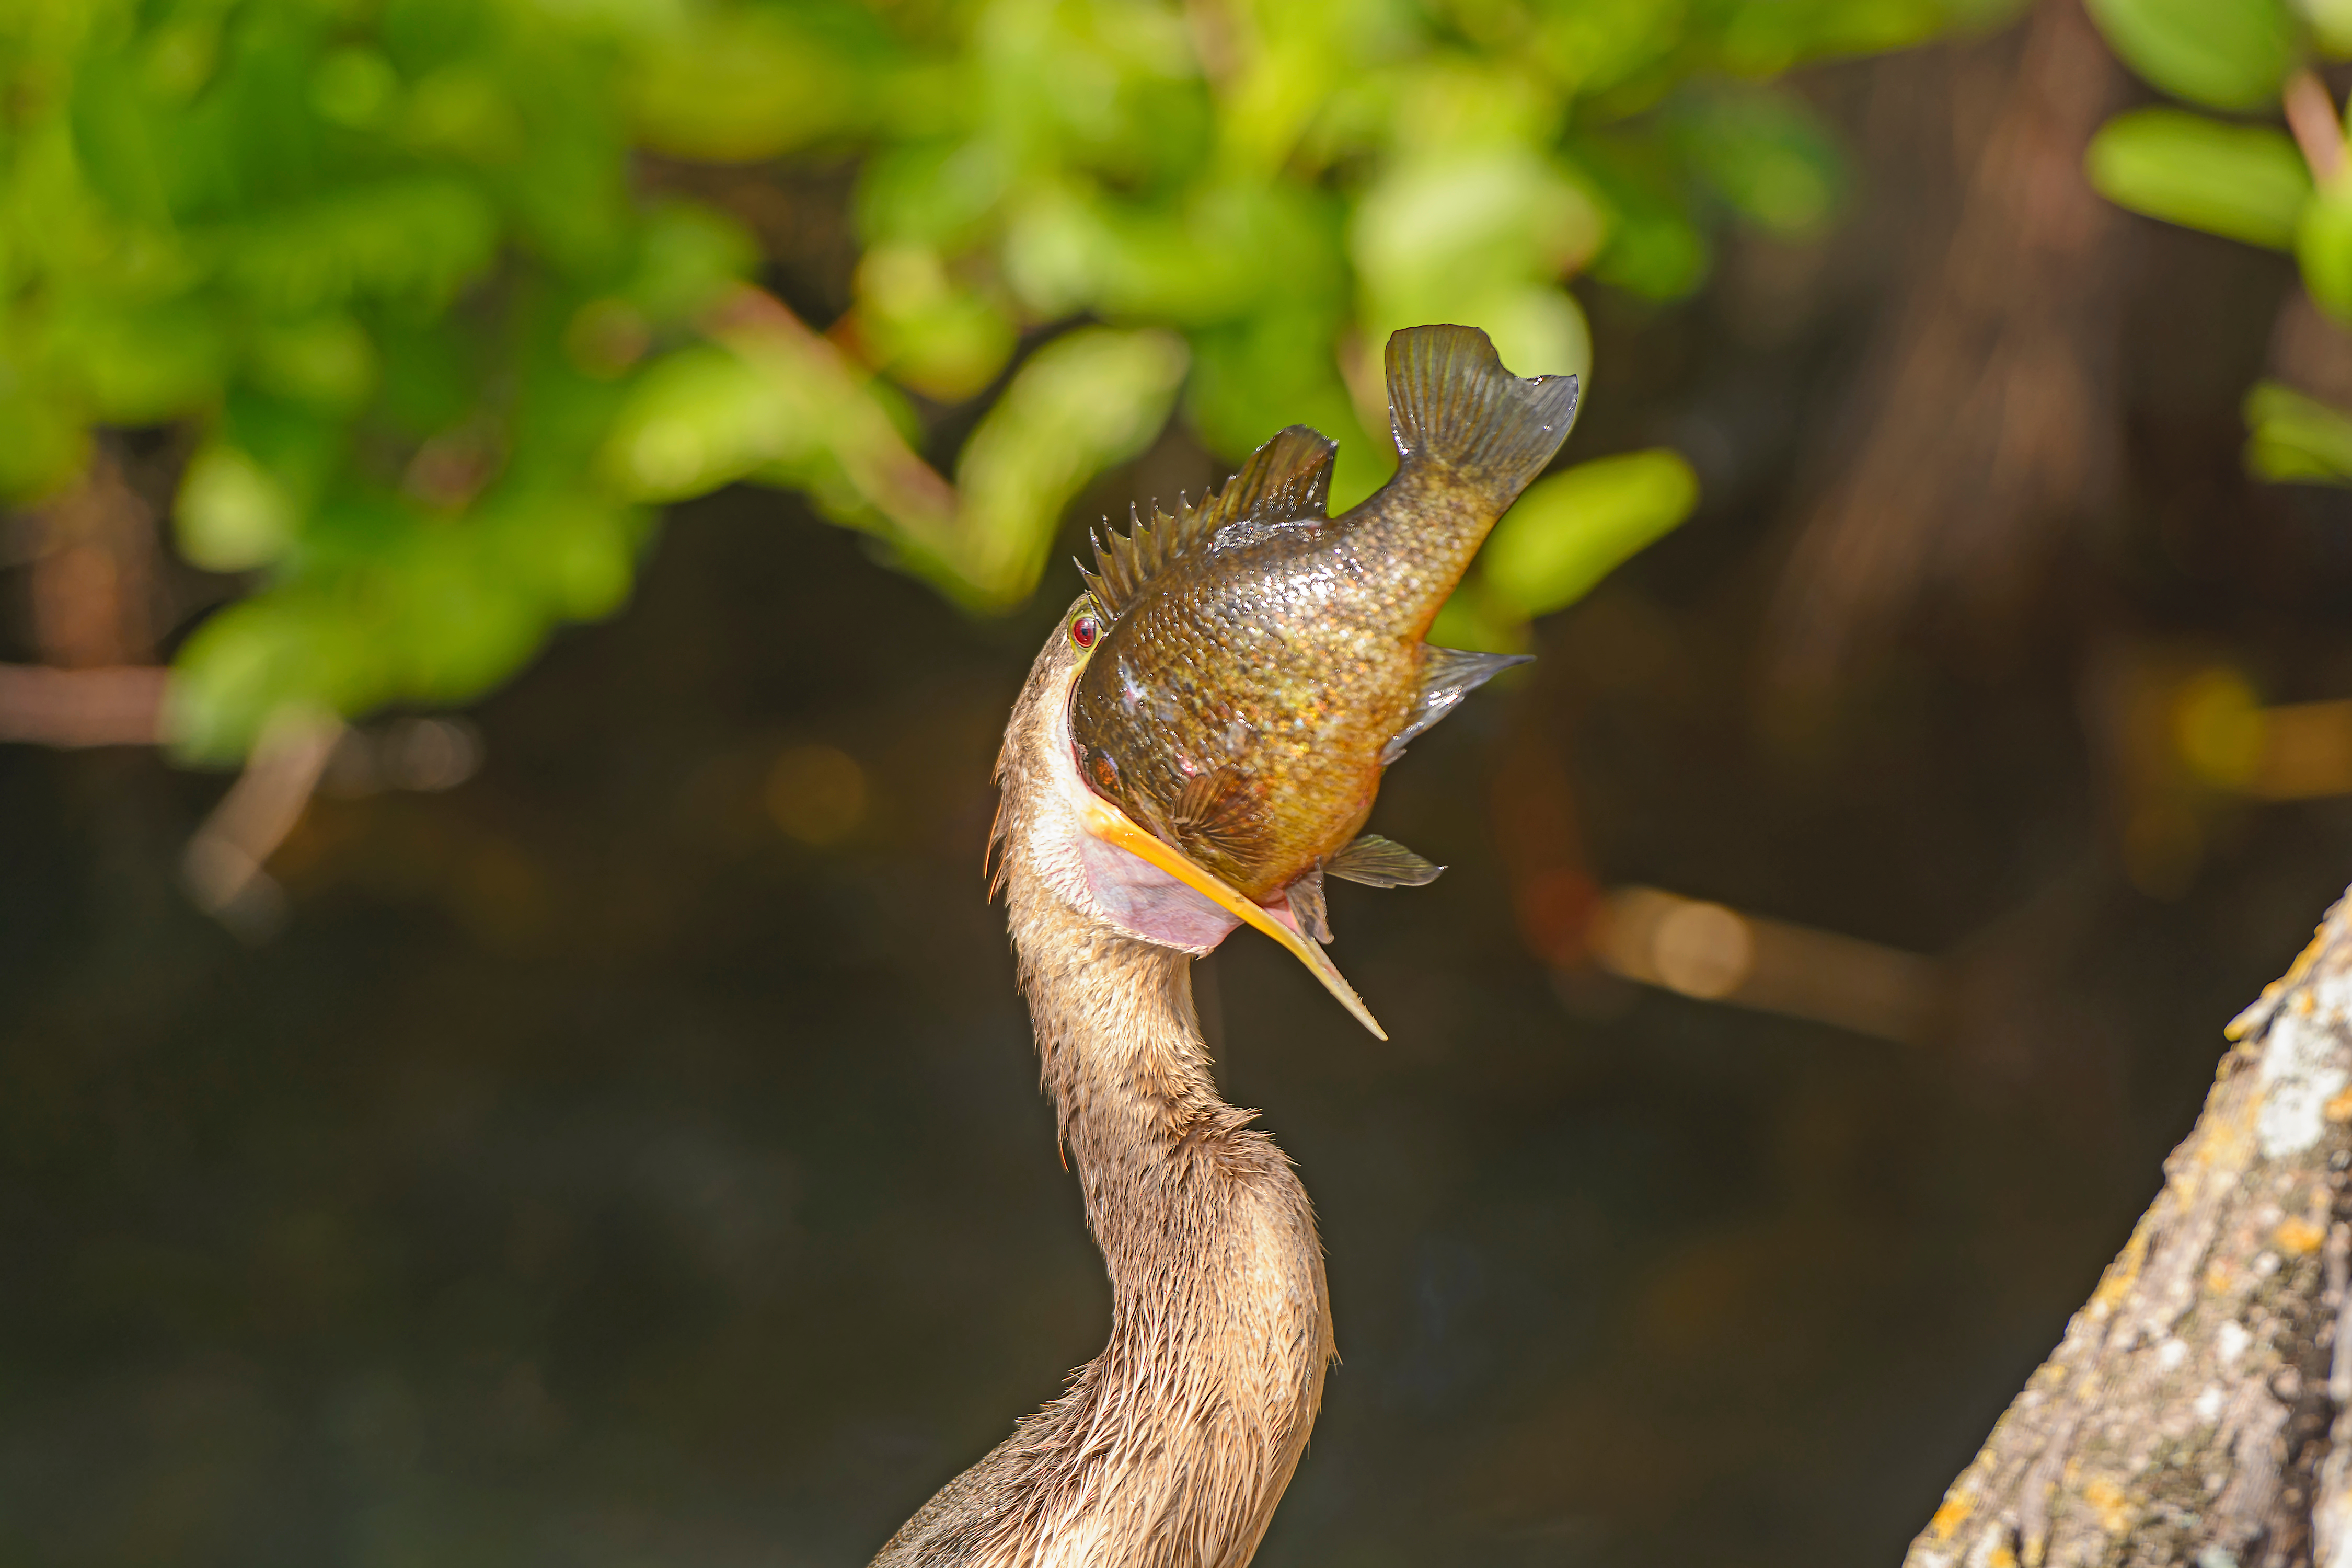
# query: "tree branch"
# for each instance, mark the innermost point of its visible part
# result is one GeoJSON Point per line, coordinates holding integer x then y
{"type": "Point", "coordinates": [2195, 1411]}
{"type": "Point", "coordinates": [72, 708]}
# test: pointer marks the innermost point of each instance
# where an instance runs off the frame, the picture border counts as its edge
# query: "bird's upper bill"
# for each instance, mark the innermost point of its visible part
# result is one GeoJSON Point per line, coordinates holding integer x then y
{"type": "Point", "coordinates": [1220, 705]}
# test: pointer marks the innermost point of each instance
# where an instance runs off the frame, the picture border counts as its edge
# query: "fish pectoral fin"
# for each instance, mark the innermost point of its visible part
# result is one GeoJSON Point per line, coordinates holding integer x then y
{"type": "Point", "coordinates": [1377, 862]}
{"type": "Point", "coordinates": [1206, 799]}
{"type": "Point", "coordinates": [1217, 807]}
{"type": "Point", "coordinates": [1447, 676]}
{"type": "Point", "coordinates": [1306, 898]}
{"type": "Point", "coordinates": [1452, 401]}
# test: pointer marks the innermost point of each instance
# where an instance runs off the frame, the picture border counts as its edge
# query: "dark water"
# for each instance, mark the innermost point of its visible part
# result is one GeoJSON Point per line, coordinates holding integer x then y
{"type": "Point", "coordinates": [590, 1172]}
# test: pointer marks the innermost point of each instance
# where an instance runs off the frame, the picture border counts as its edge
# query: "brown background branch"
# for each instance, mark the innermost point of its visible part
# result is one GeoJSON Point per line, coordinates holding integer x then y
{"type": "Point", "coordinates": [74, 707]}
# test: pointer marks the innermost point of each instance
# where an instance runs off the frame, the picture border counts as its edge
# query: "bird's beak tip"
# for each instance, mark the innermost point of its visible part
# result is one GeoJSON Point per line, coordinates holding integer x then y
{"type": "Point", "coordinates": [1114, 826]}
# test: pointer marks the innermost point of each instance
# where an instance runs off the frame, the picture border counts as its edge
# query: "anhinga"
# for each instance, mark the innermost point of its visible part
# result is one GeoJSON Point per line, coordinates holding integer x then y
{"type": "Point", "coordinates": [1197, 744]}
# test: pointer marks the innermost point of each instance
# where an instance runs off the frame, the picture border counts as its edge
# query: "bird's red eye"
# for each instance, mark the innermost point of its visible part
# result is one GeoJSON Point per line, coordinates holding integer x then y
{"type": "Point", "coordinates": [1084, 630]}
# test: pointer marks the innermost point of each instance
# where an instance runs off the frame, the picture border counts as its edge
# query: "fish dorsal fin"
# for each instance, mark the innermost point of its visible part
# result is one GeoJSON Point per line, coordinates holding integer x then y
{"type": "Point", "coordinates": [1447, 676]}
{"type": "Point", "coordinates": [1125, 562]}
{"type": "Point", "coordinates": [1286, 480]}
{"type": "Point", "coordinates": [1377, 862]}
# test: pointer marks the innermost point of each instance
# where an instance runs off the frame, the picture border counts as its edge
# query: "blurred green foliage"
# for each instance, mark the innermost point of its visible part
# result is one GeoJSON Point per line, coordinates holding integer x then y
{"type": "Point", "coordinates": [1565, 534]}
{"type": "Point", "coordinates": [2223, 54]}
{"type": "Point", "coordinates": [2245, 182]}
{"type": "Point", "coordinates": [438, 352]}
{"type": "Point", "coordinates": [2296, 437]}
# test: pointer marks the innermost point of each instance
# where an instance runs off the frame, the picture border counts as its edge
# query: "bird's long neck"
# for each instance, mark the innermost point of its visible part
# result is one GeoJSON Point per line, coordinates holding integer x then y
{"type": "Point", "coordinates": [1175, 1444]}
{"type": "Point", "coordinates": [1172, 1446]}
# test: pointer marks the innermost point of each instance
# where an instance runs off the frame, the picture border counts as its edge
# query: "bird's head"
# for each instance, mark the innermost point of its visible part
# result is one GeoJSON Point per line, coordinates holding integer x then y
{"type": "Point", "coordinates": [1200, 740]}
{"type": "Point", "coordinates": [1055, 831]}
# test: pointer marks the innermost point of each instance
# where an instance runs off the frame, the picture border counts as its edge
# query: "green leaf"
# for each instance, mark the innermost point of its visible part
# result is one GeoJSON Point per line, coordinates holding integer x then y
{"type": "Point", "coordinates": [1278, 367]}
{"type": "Point", "coordinates": [2323, 247]}
{"type": "Point", "coordinates": [431, 375]}
{"type": "Point", "coordinates": [248, 660]}
{"type": "Point", "coordinates": [1058, 253]}
{"type": "Point", "coordinates": [114, 138]}
{"type": "Point", "coordinates": [927, 327]}
{"type": "Point", "coordinates": [2241, 181]}
{"type": "Point", "coordinates": [697, 419]}
{"type": "Point", "coordinates": [1436, 230]}
{"type": "Point", "coordinates": [354, 88]}
{"type": "Point", "coordinates": [934, 192]}
{"type": "Point", "coordinates": [741, 84]}
{"type": "Point", "coordinates": [1476, 620]}
{"type": "Point", "coordinates": [449, 625]}
{"type": "Point", "coordinates": [415, 239]}
{"type": "Point", "coordinates": [327, 361]}
{"type": "Point", "coordinates": [1767, 155]}
{"type": "Point", "coordinates": [687, 256]}
{"type": "Point", "coordinates": [233, 513]}
{"type": "Point", "coordinates": [2293, 438]}
{"type": "Point", "coordinates": [1654, 249]}
{"type": "Point", "coordinates": [2223, 54]}
{"type": "Point", "coordinates": [2331, 26]}
{"type": "Point", "coordinates": [1595, 46]}
{"type": "Point", "coordinates": [1085, 401]}
{"type": "Point", "coordinates": [46, 447]}
{"type": "Point", "coordinates": [1573, 530]}
{"type": "Point", "coordinates": [578, 555]}
{"type": "Point", "coordinates": [1207, 260]}
{"type": "Point", "coordinates": [141, 364]}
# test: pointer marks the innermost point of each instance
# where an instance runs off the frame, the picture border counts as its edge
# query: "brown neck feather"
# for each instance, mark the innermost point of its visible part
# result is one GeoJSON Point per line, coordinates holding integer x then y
{"type": "Point", "coordinates": [1194, 1417]}
{"type": "Point", "coordinates": [1171, 1447]}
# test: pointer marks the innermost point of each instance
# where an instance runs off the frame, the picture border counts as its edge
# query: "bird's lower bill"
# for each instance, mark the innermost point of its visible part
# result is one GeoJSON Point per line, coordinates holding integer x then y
{"type": "Point", "coordinates": [1105, 825]}
{"type": "Point", "coordinates": [1102, 861]}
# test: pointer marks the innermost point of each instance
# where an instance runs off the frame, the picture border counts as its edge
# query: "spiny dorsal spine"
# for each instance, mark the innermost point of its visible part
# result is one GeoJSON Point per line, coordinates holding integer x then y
{"type": "Point", "coordinates": [1285, 481]}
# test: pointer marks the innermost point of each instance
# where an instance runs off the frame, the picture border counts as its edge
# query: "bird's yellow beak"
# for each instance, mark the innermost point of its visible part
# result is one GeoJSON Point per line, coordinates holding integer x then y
{"type": "Point", "coordinates": [1114, 826]}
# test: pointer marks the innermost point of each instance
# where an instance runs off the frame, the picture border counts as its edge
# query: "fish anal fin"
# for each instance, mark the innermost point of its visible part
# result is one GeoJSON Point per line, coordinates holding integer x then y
{"type": "Point", "coordinates": [1377, 862]}
{"type": "Point", "coordinates": [1447, 676]}
{"type": "Point", "coordinates": [1452, 401]}
{"type": "Point", "coordinates": [1306, 906]}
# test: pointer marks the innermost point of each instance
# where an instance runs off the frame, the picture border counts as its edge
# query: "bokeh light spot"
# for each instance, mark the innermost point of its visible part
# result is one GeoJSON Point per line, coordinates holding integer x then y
{"type": "Point", "coordinates": [1703, 950]}
{"type": "Point", "coordinates": [816, 793]}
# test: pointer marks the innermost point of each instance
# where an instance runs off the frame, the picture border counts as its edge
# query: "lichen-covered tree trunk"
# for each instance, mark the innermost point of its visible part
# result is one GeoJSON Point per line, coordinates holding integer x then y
{"type": "Point", "coordinates": [2196, 1411]}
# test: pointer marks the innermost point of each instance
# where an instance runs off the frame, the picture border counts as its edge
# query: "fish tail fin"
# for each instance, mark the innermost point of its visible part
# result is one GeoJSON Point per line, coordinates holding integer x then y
{"type": "Point", "coordinates": [1452, 401]}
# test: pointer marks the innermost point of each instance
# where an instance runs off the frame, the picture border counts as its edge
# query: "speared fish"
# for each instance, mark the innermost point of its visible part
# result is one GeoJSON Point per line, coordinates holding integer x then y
{"type": "Point", "coordinates": [1252, 664]}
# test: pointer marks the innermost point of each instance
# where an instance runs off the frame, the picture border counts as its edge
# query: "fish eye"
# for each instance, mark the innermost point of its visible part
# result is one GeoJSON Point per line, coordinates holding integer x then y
{"type": "Point", "coordinates": [1085, 631]}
